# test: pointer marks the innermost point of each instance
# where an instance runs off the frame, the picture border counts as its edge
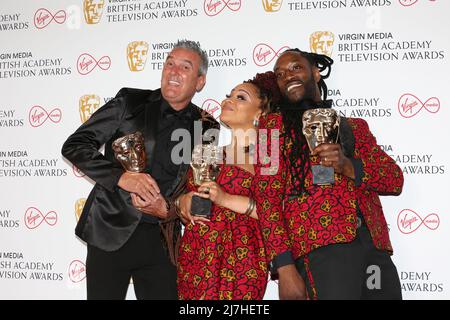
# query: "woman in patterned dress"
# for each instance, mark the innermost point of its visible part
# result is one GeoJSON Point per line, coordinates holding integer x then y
{"type": "Point", "coordinates": [223, 257]}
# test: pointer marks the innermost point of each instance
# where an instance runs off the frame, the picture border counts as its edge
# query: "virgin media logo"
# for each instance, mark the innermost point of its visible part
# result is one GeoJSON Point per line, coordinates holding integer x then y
{"type": "Point", "coordinates": [38, 116]}
{"type": "Point", "coordinates": [212, 107]}
{"type": "Point", "coordinates": [43, 18]}
{"type": "Point", "coordinates": [77, 271]}
{"type": "Point", "coordinates": [34, 218]}
{"type": "Point", "coordinates": [263, 54]}
{"type": "Point", "coordinates": [407, 3]}
{"type": "Point", "coordinates": [214, 7]}
{"type": "Point", "coordinates": [409, 105]}
{"type": "Point", "coordinates": [409, 221]}
{"type": "Point", "coordinates": [86, 63]}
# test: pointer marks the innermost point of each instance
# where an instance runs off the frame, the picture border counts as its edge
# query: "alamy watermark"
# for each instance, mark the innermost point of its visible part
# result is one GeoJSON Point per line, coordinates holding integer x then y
{"type": "Point", "coordinates": [254, 146]}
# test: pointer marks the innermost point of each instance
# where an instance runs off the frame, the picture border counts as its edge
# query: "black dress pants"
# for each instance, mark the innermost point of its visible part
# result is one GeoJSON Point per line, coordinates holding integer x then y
{"type": "Point", "coordinates": [352, 271]}
{"type": "Point", "coordinates": [143, 258]}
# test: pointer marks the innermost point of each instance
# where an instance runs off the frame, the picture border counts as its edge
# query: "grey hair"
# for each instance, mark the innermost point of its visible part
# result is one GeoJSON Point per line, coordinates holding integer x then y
{"type": "Point", "coordinates": [195, 46]}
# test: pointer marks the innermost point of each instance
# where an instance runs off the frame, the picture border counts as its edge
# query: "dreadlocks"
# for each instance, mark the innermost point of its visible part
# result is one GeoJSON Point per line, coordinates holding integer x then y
{"type": "Point", "coordinates": [292, 119]}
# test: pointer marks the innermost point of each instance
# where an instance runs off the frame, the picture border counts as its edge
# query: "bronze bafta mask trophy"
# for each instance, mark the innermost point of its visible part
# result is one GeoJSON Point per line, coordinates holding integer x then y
{"type": "Point", "coordinates": [205, 167]}
{"type": "Point", "coordinates": [321, 125]}
{"type": "Point", "coordinates": [129, 150]}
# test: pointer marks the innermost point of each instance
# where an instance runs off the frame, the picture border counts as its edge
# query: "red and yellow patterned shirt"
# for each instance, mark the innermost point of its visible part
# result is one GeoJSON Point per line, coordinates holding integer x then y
{"type": "Point", "coordinates": [324, 214]}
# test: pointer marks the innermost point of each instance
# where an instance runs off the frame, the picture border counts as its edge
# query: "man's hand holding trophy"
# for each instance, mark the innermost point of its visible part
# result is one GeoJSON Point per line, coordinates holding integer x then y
{"type": "Point", "coordinates": [129, 150]}
{"type": "Point", "coordinates": [320, 126]}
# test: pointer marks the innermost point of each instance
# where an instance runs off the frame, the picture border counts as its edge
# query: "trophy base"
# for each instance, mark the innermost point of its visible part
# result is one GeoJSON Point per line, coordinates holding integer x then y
{"type": "Point", "coordinates": [201, 207]}
{"type": "Point", "coordinates": [322, 175]}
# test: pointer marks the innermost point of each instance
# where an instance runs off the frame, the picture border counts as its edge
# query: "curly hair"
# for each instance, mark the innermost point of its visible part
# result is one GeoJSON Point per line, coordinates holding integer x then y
{"type": "Point", "coordinates": [269, 92]}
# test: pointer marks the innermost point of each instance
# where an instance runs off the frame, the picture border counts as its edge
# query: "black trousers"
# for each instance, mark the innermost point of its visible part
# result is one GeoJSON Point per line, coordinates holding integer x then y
{"type": "Point", "coordinates": [143, 258]}
{"type": "Point", "coordinates": [352, 271]}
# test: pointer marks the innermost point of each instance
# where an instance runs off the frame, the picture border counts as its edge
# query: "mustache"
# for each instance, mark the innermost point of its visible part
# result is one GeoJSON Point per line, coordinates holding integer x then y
{"type": "Point", "coordinates": [294, 80]}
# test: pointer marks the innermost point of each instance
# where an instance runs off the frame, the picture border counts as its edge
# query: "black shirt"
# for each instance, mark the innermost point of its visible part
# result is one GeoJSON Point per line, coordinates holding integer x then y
{"type": "Point", "coordinates": [163, 169]}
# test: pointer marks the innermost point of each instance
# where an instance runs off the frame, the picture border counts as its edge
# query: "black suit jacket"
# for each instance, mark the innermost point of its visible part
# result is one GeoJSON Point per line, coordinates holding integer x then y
{"type": "Point", "coordinates": [109, 218]}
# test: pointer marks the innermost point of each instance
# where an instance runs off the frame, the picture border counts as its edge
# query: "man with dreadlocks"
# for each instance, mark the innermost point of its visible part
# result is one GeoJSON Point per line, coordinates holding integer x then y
{"type": "Point", "coordinates": [325, 241]}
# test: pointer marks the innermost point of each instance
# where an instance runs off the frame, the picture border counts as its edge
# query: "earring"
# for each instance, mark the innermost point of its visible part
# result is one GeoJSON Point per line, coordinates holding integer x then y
{"type": "Point", "coordinates": [256, 123]}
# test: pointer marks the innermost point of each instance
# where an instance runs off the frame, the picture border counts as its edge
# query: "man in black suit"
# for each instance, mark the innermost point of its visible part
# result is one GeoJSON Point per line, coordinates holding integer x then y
{"type": "Point", "coordinates": [122, 216]}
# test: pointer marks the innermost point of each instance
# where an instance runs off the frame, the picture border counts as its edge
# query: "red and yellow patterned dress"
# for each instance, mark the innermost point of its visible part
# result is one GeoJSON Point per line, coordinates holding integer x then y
{"type": "Point", "coordinates": [224, 259]}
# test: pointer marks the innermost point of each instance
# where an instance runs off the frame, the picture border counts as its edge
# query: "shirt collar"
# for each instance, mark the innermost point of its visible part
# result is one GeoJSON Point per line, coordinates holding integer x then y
{"type": "Point", "coordinates": [168, 112]}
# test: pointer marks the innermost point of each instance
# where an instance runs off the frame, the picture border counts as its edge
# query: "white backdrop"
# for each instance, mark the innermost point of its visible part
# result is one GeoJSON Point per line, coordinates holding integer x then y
{"type": "Point", "coordinates": [391, 68]}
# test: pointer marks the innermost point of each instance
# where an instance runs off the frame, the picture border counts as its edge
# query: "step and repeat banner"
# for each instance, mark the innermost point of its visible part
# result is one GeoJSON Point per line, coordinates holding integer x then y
{"type": "Point", "coordinates": [62, 60]}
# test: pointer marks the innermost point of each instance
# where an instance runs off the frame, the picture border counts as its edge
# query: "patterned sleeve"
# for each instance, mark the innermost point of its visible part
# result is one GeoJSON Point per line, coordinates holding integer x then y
{"type": "Point", "coordinates": [379, 171]}
{"type": "Point", "coordinates": [269, 184]}
{"type": "Point", "coordinates": [190, 186]}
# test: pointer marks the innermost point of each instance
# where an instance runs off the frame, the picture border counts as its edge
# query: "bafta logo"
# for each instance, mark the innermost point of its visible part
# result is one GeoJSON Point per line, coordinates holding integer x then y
{"type": "Point", "coordinates": [89, 103]}
{"type": "Point", "coordinates": [79, 205]}
{"type": "Point", "coordinates": [137, 52]}
{"type": "Point", "coordinates": [272, 5]}
{"type": "Point", "coordinates": [321, 42]}
{"type": "Point", "coordinates": [93, 10]}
